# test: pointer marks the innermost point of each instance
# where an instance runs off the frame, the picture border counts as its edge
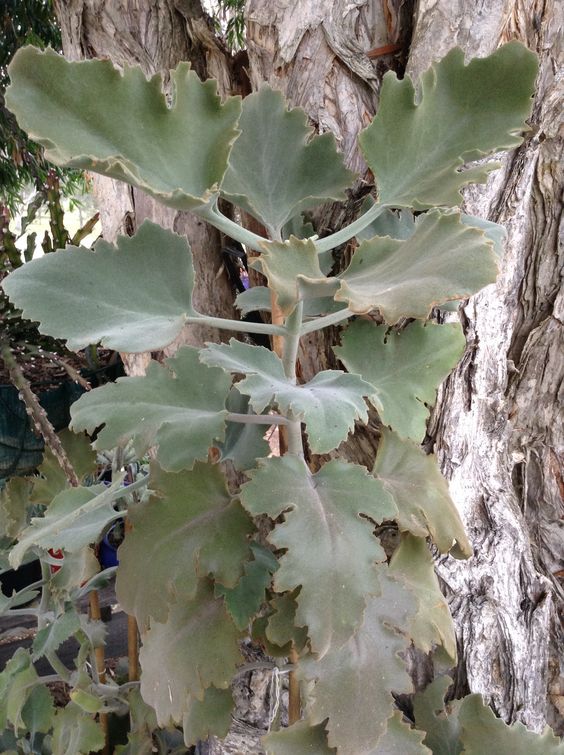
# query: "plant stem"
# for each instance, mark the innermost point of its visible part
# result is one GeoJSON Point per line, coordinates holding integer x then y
{"type": "Point", "coordinates": [294, 703]}
{"type": "Point", "coordinates": [230, 228]}
{"type": "Point", "coordinates": [38, 414]}
{"type": "Point", "coordinates": [257, 419]}
{"type": "Point", "coordinates": [346, 234]}
{"type": "Point", "coordinates": [240, 326]}
{"type": "Point", "coordinates": [323, 322]}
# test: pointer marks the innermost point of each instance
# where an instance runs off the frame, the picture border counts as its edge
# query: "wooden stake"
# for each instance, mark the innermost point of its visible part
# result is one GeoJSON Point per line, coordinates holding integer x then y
{"type": "Point", "coordinates": [96, 615]}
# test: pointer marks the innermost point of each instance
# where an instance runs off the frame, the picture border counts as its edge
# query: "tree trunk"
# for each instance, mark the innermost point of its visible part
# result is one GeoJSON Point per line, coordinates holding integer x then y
{"type": "Point", "coordinates": [496, 428]}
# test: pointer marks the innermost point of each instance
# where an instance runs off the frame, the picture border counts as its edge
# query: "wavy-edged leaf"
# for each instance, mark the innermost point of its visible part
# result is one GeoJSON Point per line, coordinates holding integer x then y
{"type": "Point", "coordinates": [298, 738]}
{"type": "Point", "coordinates": [53, 478]}
{"type": "Point", "coordinates": [432, 624]}
{"type": "Point", "coordinates": [15, 505]}
{"type": "Point", "coordinates": [244, 442]}
{"type": "Point", "coordinates": [327, 531]}
{"type": "Point", "coordinates": [328, 404]}
{"type": "Point", "coordinates": [482, 731]}
{"type": "Point", "coordinates": [210, 717]}
{"type": "Point", "coordinates": [443, 260]}
{"type": "Point", "coordinates": [75, 518]}
{"type": "Point", "coordinates": [50, 637]}
{"type": "Point", "coordinates": [400, 739]}
{"type": "Point", "coordinates": [75, 732]}
{"type": "Point", "coordinates": [119, 124]}
{"type": "Point", "coordinates": [397, 225]}
{"type": "Point", "coordinates": [17, 681]}
{"type": "Point", "coordinates": [441, 727]}
{"type": "Point", "coordinates": [280, 628]}
{"type": "Point", "coordinates": [179, 407]}
{"type": "Point", "coordinates": [421, 494]}
{"type": "Point", "coordinates": [354, 684]}
{"type": "Point", "coordinates": [245, 599]}
{"type": "Point", "coordinates": [405, 368]}
{"type": "Point", "coordinates": [195, 649]}
{"type": "Point", "coordinates": [286, 264]}
{"type": "Point", "coordinates": [418, 142]}
{"type": "Point", "coordinates": [132, 296]}
{"type": "Point", "coordinates": [277, 167]}
{"type": "Point", "coordinates": [189, 528]}
{"type": "Point", "coordinates": [38, 712]}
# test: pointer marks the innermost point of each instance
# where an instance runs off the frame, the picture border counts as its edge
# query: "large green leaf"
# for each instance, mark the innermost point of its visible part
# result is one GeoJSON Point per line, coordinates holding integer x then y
{"type": "Point", "coordinates": [277, 168]}
{"type": "Point", "coordinates": [190, 528]}
{"type": "Point", "coordinates": [354, 684]}
{"type": "Point", "coordinates": [179, 407]}
{"type": "Point", "coordinates": [400, 739]}
{"type": "Point", "coordinates": [245, 599]}
{"type": "Point", "coordinates": [327, 531]}
{"type": "Point", "coordinates": [75, 518]}
{"type": "Point", "coordinates": [17, 681]}
{"type": "Point", "coordinates": [50, 637]}
{"type": "Point", "coordinates": [210, 717]}
{"type": "Point", "coordinates": [420, 493]}
{"type": "Point", "coordinates": [91, 116]}
{"type": "Point", "coordinates": [443, 260]}
{"type": "Point", "coordinates": [244, 442]}
{"type": "Point", "coordinates": [293, 272]}
{"type": "Point", "coordinates": [298, 738]}
{"type": "Point", "coordinates": [405, 368]}
{"type": "Point", "coordinates": [76, 733]}
{"type": "Point", "coordinates": [328, 404]}
{"type": "Point", "coordinates": [38, 712]}
{"type": "Point", "coordinates": [470, 727]}
{"type": "Point", "coordinates": [483, 732]}
{"type": "Point", "coordinates": [15, 505]}
{"type": "Point", "coordinates": [418, 142]}
{"type": "Point", "coordinates": [195, 649]}
{"type": "Point", "coordinates": [432, 624]}
{"type": "Point", "coordinates": [132, 296]}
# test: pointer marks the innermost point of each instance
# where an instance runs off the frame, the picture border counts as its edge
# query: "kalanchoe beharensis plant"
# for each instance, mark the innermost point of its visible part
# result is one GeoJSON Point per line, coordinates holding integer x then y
{"type": "Point", "coordinates": [192, 569]}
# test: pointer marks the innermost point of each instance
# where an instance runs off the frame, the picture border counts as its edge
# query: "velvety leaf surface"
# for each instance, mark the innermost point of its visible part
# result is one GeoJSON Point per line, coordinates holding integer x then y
{"type": "Point", "coordinates": [405, 368]}
{"type": "Point", "coordinates": [119, 124]}
{"type": "Point", "coordinates": [418, 142]}
{"type": "Point", "coordinates": [397, 225]}
{"type": "Point", "coordinates": [50, 637]}
{"type": "Point", "coordinates": [286, 264]}
{"type": "Point", "coordinates": [331, 551]}
{"type": "Point", "coordinates": [420, 493]}
{"type": "Point", "coordinates": [132, 296]}
{"type": "Point", "coordinates": [483, 732]}
{"type": "Point", "coordinates": [432, 624]}
{"type": "Point", "coordinates": [354, 683]}
{"type": "Point", "coordinates": [400, 739]}
{"type": "Point", "coordinates": [189, 528]}
{"type": "Point", "coordinates": [210, 717]}
{"type": "Point", "coordinates": [281, 627]}
{"type": "Point", "coordinates": [245, 599]}
{"type": "Point", "coordinates": [328, 404]}
{"type": "Point", "coordinates": [244, 442]}
{"type": "Point", "coordinates": [179, 407]}
{"type": "Point", "coordinates": [443, 260]}
{"type": "Point", "coordinates": [196, 648]}
{"type": "Point", "coordinates": [75, 732]}
{"type": "Point", "coordinates": [298, 738]}
{"type": "Point", "coordinates": [254, 299]}
{"type": "Point", "coordinates": [38, 712]}
{"type": "Point", "coordinates": [17, 681]}
{"type": "Point", "coordinates": [53, 479]}
{"type": "Point", "coordinates": [75, 518]}
{"type": "Point", "coordinates": [14, 505]}
{"type": "Point", "coordinates": [442, 730]}
{"type": "Point", "coordinates": [277, 167]}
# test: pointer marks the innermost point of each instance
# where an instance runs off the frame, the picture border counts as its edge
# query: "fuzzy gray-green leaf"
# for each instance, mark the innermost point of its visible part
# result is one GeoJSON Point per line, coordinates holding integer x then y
{"type": "Point", "coordinates": [91, 116]}
{"type": "Point", "coordinates": [133, 296]}
{"type": "Point", "coordinates": [419, 141]}
{"type": "Point", "coordinates": [179, 407]}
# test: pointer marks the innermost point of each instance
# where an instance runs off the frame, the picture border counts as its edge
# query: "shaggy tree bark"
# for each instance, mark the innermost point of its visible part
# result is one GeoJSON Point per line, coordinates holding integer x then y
{"type": "Point", "coordinates": [497, 428]}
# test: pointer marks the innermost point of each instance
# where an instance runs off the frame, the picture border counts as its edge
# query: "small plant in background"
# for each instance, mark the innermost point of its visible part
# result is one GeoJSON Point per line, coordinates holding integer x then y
{"type": "Point", "coordinates": [320, 589]}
